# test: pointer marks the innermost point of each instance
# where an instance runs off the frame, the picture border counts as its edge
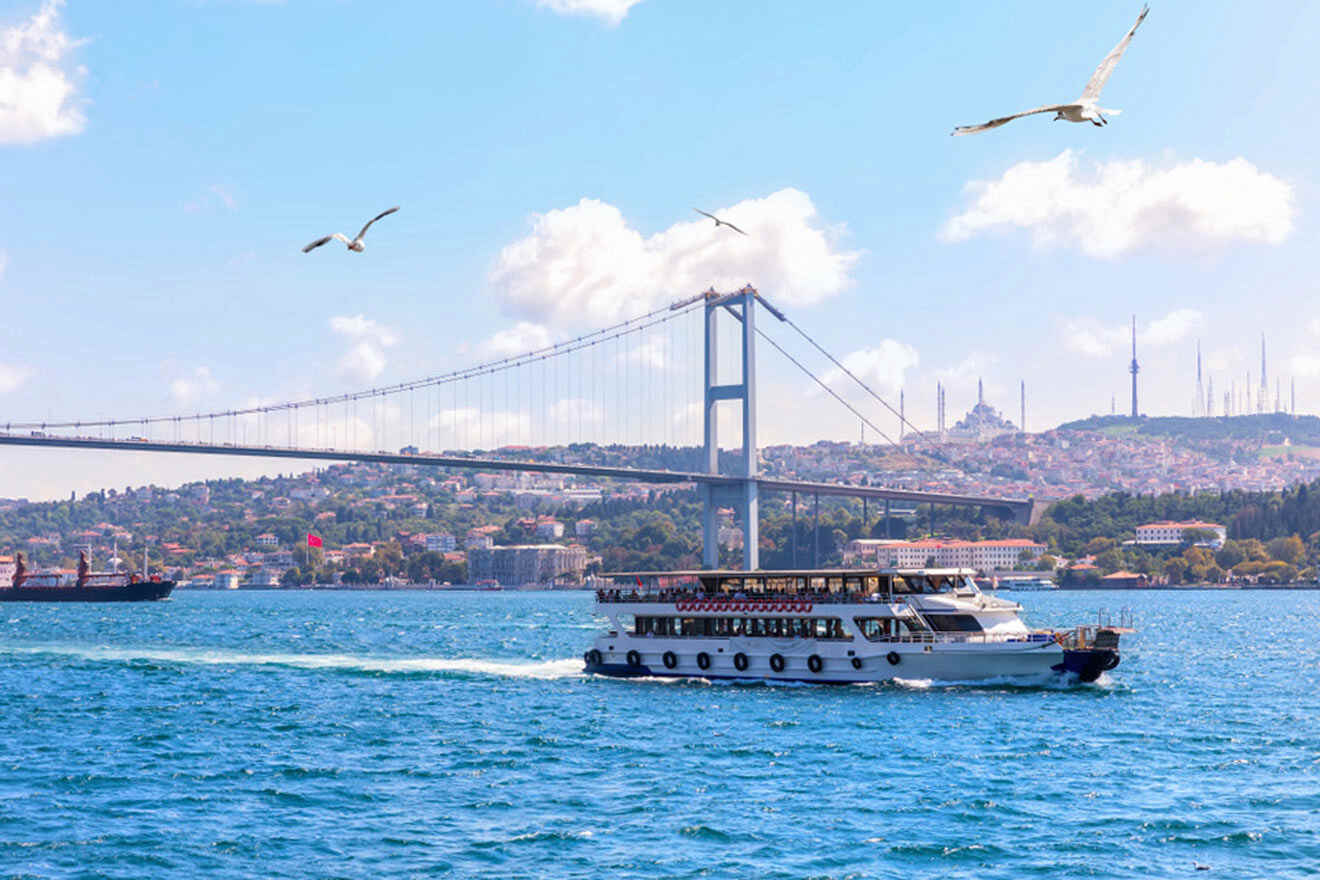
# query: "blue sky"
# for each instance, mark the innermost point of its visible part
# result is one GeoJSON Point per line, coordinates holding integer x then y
{"type": "Point", "coordinates": [161, 165]}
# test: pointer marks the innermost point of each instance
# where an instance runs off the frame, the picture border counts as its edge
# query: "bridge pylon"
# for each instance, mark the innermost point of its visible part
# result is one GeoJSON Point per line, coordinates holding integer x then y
{"type": "Point", "coordinates": [742, 490]}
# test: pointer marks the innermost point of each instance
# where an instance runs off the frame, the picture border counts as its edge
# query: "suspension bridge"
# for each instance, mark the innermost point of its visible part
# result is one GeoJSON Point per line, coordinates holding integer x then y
{"type": "Point", "coordinates": [628, 386]}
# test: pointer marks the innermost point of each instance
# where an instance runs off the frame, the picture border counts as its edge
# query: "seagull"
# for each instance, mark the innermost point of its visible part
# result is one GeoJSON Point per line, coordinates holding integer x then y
{"type": "Point", "coordinates": [1084, 109]}
{"type": "Point", "coordinates": [718, 221]}
{"type": "Point", "coordinates": [356, 244]}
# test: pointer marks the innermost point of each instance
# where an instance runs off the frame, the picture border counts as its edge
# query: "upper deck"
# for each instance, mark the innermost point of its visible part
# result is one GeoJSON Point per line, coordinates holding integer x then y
{"type": "Point", "coordinates": [820, 586]}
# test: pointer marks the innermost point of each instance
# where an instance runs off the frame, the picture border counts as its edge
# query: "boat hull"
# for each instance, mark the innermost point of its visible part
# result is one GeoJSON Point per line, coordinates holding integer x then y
{"type": "Point", "coordinates": [141, 591]}
{"type": "Point", "coordinates": [1028, 661]}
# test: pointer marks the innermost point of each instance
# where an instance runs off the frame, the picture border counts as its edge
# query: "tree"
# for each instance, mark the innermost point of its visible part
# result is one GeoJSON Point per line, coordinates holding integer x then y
{"type": "Point", "coordinates": [1175, 569]}
{"type": "Point", "coordinates": [1096, 546]}
{"type": "Point", "coordinates": [1290, 550]}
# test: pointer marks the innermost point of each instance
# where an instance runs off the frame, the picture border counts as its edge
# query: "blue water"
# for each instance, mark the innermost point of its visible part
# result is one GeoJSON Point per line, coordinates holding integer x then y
{"type": "Point", "coordinates": [385, 735]}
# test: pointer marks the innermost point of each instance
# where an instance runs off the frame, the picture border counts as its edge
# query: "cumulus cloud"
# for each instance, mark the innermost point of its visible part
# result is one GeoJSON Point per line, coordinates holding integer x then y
{"type": "Point", "coordinates": [1092, 338]}
{"type": "Point", "coordinates": [364, 359]}
{"type": "Point", "coordinates": [883, 367]}
{"type": "Point", "coordinates": [584, 265]}
{"type": "Point", "coordinates": [38, 84]}
{"type": "Point", "coordinates": [610, 11]}
{"type": "Point", "coordinates": [518, 339]}
{"type": "Point", "coordinates": [1110, 208]}
{"type": "Point", "coordinates": [195, 385]}
{"type": "Point", "coordinates": [12, 376]}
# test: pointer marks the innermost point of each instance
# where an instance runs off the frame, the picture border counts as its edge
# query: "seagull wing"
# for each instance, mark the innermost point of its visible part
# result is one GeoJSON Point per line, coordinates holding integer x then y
{"type": "Point", "coordinates": [1003, 120]}
{"type": "Point", "coordinates": [1101, 75]}
{"type": "Point", "coordinates": [731, 226]}
{"type": "Point", "coordinates": [374, 219]}
{"type": "Point", "coordinates": [317, 244]}
{"type": "Point", "coordinates": [704, 214]}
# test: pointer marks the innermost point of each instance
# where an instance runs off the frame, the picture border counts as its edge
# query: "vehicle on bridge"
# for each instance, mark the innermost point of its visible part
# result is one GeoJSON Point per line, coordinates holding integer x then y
{"type": "Point", "coordinates": [841, 626]}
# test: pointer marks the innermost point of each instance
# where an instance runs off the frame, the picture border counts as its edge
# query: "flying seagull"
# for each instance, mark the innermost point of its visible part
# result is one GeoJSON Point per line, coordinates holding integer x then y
{"type": "Point", "coordinates": [1084, 109]}
{"type": "Point", "coordinates": [718, 221]}
{"type": "Point", "coordinates": [356, 244]}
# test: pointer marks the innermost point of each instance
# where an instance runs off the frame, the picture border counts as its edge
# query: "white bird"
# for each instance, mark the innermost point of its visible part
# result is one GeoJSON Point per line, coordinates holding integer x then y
{"type": "Point", "coordinates": [356, 244]}
{"type": "Point", "coordinates": [718, 221]}
{"type": "Point", "coordinates": [1084, 109]}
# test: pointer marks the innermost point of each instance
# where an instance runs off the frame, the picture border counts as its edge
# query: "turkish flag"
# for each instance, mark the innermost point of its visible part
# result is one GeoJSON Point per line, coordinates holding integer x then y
{"type": "Point", "coordinates": [313, 541]}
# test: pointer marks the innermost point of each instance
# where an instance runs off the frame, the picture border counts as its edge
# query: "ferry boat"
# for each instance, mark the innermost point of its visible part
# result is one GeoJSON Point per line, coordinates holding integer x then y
{"type": "Point", "coordinates": [88, 586]}
{"type": "Point", "coordinates": [1027, 584]}
{"type": "Point", "coordinates": [832, 626]}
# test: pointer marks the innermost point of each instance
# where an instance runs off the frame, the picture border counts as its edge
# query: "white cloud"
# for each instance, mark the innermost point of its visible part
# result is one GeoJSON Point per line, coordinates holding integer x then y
{"type": "Point", "coordinates": [883, 367]}
{"type": "Point", "coordinates": [1091, 338]}
{"type": "Point", "coordinates": [187, 389]}
{"type": "Point", "coordinates": [364, 359]}
{"type": "Point", "coordinates": [37, 83]}
{"type": "Point", "coordinates": [519, 339]}
{"type": "Point", "coordinates": [12, 376]}
{"type": "Point", "coordinates": [610, 11]}
{"type": "Point", "coordinates": [1114, 207]}
{"type": "Point", "coordinates": [584, 265]}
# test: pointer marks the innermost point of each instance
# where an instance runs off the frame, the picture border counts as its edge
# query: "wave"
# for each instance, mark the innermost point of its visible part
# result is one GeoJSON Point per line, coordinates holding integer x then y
{"type": "Point", "coordinates": [545, 670]}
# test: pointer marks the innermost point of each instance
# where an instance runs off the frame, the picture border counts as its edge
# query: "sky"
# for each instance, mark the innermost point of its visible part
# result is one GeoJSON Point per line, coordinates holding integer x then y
{"type": "Point", "coordinates": [163, 163]}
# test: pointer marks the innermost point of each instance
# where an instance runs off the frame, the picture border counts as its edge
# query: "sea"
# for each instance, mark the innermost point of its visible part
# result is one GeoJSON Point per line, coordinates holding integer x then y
{"type": "Point", "coordinates": [435, 734]}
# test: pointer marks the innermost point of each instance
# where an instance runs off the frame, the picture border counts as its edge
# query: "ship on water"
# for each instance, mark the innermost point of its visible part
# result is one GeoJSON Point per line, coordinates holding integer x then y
{"type": "Point", "coordinates": [832, 627]}
{"type": "Point", "coordinates": [87, 586]}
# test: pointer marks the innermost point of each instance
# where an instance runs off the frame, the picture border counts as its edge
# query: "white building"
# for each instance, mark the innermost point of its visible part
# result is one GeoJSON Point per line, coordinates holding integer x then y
{"type": "Point", "coordinates": [1003, 555]}
{"type": "Point", "coordinates": [1169, 532]}
{"type": "Point", "coordinates": [441, 542]}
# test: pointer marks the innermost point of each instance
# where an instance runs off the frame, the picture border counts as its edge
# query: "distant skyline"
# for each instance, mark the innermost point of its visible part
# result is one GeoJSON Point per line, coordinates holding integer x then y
{"type": "Point", "coordinates": [165, 163]}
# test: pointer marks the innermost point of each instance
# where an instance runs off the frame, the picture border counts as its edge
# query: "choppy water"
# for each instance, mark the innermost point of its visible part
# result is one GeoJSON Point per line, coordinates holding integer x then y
{"type": "Point", "coordinates": [388, 735]}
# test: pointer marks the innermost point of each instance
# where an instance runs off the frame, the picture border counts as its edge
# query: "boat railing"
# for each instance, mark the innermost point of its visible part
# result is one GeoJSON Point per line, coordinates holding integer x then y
{"type": "Point", "coordinates": [935, 637]}
{"type": "Point", "coordinates": [671, 596]}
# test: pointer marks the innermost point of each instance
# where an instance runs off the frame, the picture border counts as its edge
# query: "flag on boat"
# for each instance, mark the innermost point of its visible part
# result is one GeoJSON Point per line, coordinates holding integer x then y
{"type": "Point", "coordinates": [313, 540]}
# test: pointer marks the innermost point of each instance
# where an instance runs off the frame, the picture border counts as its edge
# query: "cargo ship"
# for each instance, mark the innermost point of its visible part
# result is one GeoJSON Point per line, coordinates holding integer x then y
{"type": "Point", "coordinates": [89, 586]}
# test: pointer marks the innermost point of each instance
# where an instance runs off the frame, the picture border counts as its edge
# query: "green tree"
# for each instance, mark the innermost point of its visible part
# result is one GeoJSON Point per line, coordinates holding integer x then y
{"type": "Point", "coordinates": [1290, 550]}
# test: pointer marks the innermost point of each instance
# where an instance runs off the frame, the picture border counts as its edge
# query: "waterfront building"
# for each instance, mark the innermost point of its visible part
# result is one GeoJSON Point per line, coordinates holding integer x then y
{"type": "Point", "coordinates": [1002, 555]}
{"type": "Point", "coordinates": [519, 564]}
{"type": "Point", "coordinates": [1170, 532]}
{"type": "Point", "coordinates": [440, 542]}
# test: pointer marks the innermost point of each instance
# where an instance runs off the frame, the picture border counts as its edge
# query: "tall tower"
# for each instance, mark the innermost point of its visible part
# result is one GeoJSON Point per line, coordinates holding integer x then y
{"type": "Point", "coordinates": [980, 393]}
{"type": "Point", "coordinates": [1200, 389]}
{"type": "Point", "coordinates": [1263, 399]}
{"type": "Point", "coordinates": [1210, 398]}
{"type": "Point", "coordinates": [1134, 368]}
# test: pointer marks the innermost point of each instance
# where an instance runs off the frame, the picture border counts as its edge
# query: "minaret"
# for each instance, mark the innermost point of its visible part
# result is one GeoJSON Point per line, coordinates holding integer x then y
{"type": "Point", "coordinates": [1200, 389]}
{"type": "Point", "coordinates": [1134, 368]}
{"type": "Point", "coordinates": [980, 393]}
{"type": "Point", "coordinates": [1264, 397]}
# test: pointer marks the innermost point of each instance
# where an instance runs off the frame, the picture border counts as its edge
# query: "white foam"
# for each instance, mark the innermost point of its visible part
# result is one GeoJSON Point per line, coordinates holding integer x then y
{"type": "Point", "coordinates": [549, 669]}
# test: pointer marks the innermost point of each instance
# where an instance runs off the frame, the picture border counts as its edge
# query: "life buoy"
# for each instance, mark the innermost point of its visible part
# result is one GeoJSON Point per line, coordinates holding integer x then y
{"type": "Point", "coordinates": [777, 662]}
{"type": "Point", "coordinates": [670, 659]}
{"type": "Point", "coordinates": [634, 659]}
{"type": "Point", "coordinates": [857, 662]}
{"type": "Point", "coordinates": [1111, 661]}
{"type": "Point", "coordinates": [593, 657]}
{"type": "Point", "coordinates": [893, 658]}
{"type": "Point", "coordinates": [703, 660]}
{"type": "Point", "coordinates": [740, 661]}
{"type": "Point", "coordinates": [814, 663]}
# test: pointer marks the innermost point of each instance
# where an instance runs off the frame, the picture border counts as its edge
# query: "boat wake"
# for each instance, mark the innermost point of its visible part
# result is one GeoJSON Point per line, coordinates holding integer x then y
{"type": "Point", "coordinates": [1045, 681]}
{"type": "Point", "coordinates": [546, 670]}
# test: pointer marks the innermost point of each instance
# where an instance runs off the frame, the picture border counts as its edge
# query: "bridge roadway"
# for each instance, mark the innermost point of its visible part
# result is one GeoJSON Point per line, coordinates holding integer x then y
{"type": "Point", "coordinates": [1024, 509]}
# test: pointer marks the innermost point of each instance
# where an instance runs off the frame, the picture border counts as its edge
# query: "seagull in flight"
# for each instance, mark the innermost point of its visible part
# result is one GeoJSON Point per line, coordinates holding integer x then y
{"type": "Point", "coordinates": [1084, 109]}
{"type": "Point", "coordinates": [718, 221]}
{"type": "Point", "coordinates": [356, 244]}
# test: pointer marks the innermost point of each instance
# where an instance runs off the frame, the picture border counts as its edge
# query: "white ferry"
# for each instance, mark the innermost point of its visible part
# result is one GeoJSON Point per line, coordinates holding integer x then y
{"type": "Point", "coordinates": [831, 626]}
{"type": "Point", "coordinates": [1026, 584]}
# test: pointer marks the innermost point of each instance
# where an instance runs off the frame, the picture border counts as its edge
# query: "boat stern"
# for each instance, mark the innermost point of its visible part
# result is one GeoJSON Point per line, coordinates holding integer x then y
{"type": "Point", "coordinates": [1088, 652]}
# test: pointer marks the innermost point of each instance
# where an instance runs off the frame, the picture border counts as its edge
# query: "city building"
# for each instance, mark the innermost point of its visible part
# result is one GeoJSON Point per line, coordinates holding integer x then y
{"type": "Point", "coordinates": [1169, 532]}
{"type": "Point", "coordinates": [1003, 555]}
{"type": "Point", "coordinates": [440, 542]}
{"type": "Point", "coordinates": [520, 564]}
{"type": "Point", "coordinates": [267, 540]}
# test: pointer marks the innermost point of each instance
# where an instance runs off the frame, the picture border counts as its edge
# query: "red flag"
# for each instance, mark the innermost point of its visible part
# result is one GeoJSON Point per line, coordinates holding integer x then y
{"type": "Point", "coordinates": [639, 580]}
{"type": "Point", "coordinates": [313, 540]}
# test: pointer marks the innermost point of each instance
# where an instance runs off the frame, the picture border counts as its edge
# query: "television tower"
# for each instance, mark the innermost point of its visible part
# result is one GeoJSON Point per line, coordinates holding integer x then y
{"type": "Point", "coordinates": [1263, 399]}
{"type": "Point", "coordinates": [1200, 389]}
{"type": "Point", "coordinates": [1134, 368]}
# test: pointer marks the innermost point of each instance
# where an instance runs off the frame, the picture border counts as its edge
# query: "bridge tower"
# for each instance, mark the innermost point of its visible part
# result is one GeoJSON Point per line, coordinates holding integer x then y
{"type": "Point", "coordinates": [742, 491]}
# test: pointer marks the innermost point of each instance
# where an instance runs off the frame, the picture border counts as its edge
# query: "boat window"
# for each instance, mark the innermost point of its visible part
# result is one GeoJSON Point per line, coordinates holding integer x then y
{"type": "Point", "coordinates": [875, 629]}
{"type": "Point", "coordinates": [954, 622]}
